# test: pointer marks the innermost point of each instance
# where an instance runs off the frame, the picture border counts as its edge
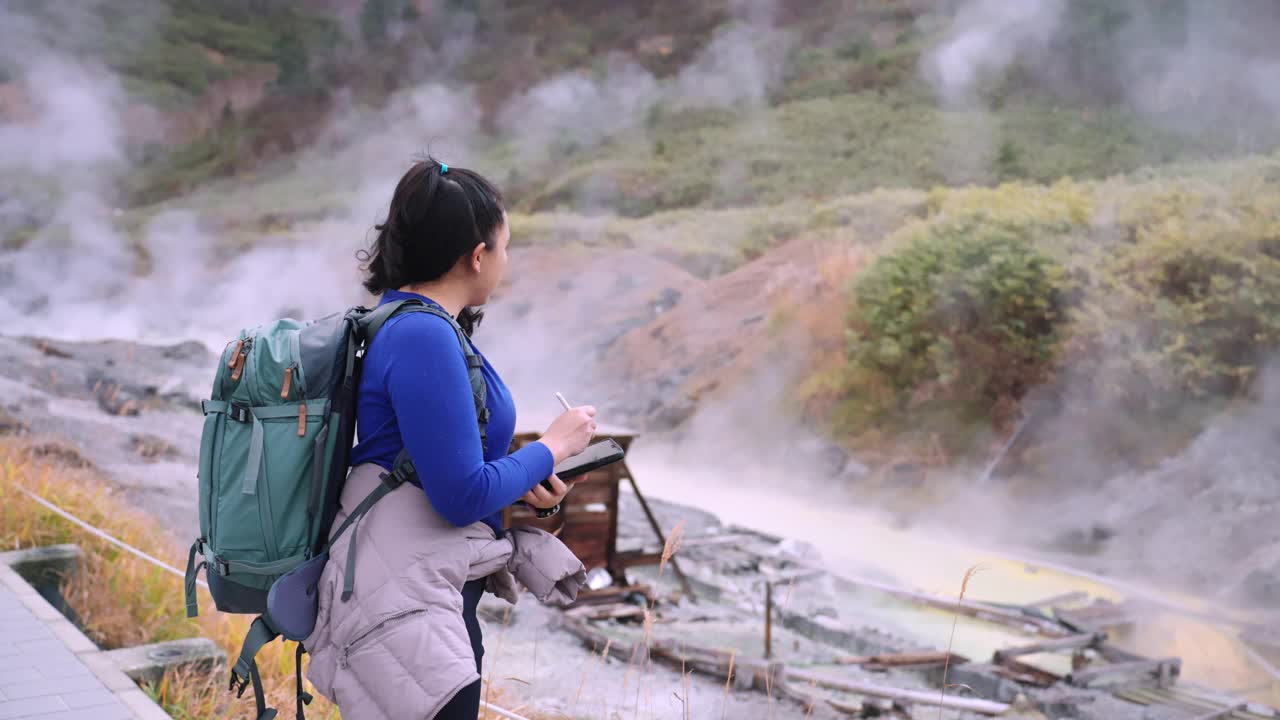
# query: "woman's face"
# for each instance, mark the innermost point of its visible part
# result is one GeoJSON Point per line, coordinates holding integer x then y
{"type": "Point", "coordinates": [490, 264]}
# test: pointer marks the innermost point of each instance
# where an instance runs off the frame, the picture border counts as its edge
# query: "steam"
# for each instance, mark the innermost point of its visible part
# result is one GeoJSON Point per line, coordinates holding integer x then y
{"type": "Point", "coordinates": [576, 109]}
{"type": "Point", "coordinates": [984, 40]}
{"type": "Point", "coordinates": [1209, 70]}
{"type": "Point", "coordinates": [75, 123]}
{"type": "Point", "coordinates": [1184, 66]}
{"type": "Point", "coordinates": [738, 68]}
{"type": "Point", "coordinates": [77, 276]}
{"type": "Point", "coordinates": [79, 270]}
{"type": "Point", "coordinates": [62, 155]}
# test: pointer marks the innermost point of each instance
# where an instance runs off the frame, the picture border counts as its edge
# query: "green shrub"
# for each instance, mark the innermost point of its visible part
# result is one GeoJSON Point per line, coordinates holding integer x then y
{"type": "Point", "coordinates": [1142, 307]}
{"type": "Point", "coordinates": [966, 314]}
{"type": "Point", "coordinates": [1204, 295]}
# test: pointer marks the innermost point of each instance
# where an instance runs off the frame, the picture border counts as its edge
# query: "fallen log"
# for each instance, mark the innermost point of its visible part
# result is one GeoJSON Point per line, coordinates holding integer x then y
{"type": "Point", "coordinates": [771, 677]}
{"type": "Point", "coordinates": [907, 659]}
{"type": "Point", "coordinates": [610, 595]}
{"type": "Point", "coordinates": [1221, 714]}
{"type": "Point", "coordinates": [971, 608]}
{"type": "Point", "coordinates": [614, 611]}
{"type": "Point", "coordinates": [1071, 642]}
{"type": "Point", "coordinates": [1163, 670]}
{"type": "Point", "coordinates": [811, 699]}
{"type": "Point", "coordinates": [1065, 598]}
{"type": "Point", "coordinates": [975, 705]}
{"type": "Point", "coordinates": [1026, 674]}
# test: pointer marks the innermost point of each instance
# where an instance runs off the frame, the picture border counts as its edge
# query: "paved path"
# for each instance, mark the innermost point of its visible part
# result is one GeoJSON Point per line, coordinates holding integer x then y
{"type": "Point", "coordinates": [50, 671]}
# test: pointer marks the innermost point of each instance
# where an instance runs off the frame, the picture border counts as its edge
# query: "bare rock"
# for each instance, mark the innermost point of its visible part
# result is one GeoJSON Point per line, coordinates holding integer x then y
{"type": "Point", "coordinates": [59, 453]}
{"type": "Point", "coordinates": [152, 448]}
{"type": "Point", "coordinates": [10, 424]}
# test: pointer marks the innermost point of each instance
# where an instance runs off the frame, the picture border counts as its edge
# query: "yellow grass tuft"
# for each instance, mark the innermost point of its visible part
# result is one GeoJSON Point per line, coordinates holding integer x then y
{"type": "Point", "coordinates": [728, 680]}
{"type": "Point", "coordinates": [123, 600]}
{"type": "Point", "coordinates": [671, 546]}
{"type": "Point", "coordinates": [946, 663]}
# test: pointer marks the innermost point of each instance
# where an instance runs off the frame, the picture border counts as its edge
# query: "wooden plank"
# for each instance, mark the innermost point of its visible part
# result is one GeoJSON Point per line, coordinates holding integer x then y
{"type": "Point", "coordinates": [969, 608]}
{"type": "Point", "coordinates": [587, 596]}
{"type": "Point", "coordinates": [761, 675]}
{"type": "Point", "coordinates": [611, 546]}
{"type": "Point", "coordinates": [1134, 671]}
{"type": "Point", "coordinates": [975, 705]}
{"type": "Point", "coordinates": [1221, 714]}
{"type": "Point", "coordinates": [594, 522]}
{"type": "Point", "coordinates": [717, 540]}
{"type": "Point", "coordinates": [1071, 642]}
{"type": "Point", "coordinates": [1026, 674]}
{"type": "Point", "coordinates": [610, 611]}
{"type": "Point", "coordinates": [591, 557]}
{"type": "Point", "coordinates": [628, 559]}
{"type": "Point", "coordinates": [584, 537]}
{"type": "Point", "coordinates": [1065, 598]}
{"type": "Point", "coordinates": [588, 494]}
{"type": "Point", "coordinates": [1093, 618]}
{"type": "Point", "coordinates": [907, 659]}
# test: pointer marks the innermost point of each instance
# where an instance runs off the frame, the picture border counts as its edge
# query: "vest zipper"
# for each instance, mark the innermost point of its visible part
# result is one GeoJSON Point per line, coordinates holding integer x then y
{"type": "Point", "coordinates": [346, 650]}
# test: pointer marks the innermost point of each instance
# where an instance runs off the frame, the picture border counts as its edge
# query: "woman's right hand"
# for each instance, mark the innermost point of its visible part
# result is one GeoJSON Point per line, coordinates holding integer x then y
{"type": "Point", "coordinates": [570, 433]}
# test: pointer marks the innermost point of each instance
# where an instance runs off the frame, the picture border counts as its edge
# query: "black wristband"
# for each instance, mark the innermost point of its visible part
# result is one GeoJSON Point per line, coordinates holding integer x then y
{"type": "Point", "coordinates": [547, 512]}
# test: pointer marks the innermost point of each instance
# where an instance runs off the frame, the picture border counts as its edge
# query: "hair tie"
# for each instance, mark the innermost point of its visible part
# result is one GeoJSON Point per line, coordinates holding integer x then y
{"type": "Point", "coordinates": [443, 168]}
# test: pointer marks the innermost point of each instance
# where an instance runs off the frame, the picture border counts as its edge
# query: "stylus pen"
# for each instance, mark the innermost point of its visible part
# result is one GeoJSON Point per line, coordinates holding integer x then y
{"type": "Point", "coordinates": [567, 407]}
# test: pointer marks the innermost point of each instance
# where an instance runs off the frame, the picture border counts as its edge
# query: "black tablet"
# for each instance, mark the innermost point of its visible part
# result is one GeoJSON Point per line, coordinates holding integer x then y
{"type": "Point", "coordinates": [594, 457]}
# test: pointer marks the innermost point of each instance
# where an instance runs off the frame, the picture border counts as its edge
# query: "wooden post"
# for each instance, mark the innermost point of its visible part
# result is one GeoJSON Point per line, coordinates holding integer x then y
{"type": "Point", "coordinates": [653, 523]}
{"type": "Point", "coordinates": [768, 620]}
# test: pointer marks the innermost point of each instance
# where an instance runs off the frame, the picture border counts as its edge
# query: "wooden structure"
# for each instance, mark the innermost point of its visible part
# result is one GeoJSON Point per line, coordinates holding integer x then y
{"type": "Point", "coordinates": [588, 521]}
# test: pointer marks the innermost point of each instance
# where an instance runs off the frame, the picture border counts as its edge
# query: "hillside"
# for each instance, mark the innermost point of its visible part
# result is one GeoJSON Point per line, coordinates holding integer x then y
{"type": "Point", "coordinates": [917, 236]}
{"type": "Point", "coordinates": [643, 106]}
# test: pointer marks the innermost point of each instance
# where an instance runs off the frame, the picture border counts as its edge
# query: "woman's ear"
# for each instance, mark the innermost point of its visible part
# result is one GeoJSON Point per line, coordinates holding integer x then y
{"type": "Point", "coordinates": [476, 256]}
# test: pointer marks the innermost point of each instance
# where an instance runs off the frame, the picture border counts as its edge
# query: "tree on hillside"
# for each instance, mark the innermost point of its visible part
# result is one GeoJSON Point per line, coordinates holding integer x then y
{"type": "Point", "coordinates": [375, 16]}
{"type": "Point", "coordinates": [292, 63]}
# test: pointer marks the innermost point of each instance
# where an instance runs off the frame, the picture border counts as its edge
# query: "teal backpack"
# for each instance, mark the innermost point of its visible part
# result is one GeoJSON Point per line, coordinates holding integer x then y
{"type": "Point", "coordinates": [278, 431]}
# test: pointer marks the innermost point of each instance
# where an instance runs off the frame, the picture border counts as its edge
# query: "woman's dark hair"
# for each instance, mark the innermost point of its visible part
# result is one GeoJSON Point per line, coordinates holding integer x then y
{"type": "Point", "coordinates": [438, 214]}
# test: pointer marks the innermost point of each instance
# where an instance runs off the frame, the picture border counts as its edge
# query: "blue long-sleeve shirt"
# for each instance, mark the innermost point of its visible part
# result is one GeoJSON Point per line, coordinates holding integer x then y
{"type": "Point", "coordinates": [415, 393]}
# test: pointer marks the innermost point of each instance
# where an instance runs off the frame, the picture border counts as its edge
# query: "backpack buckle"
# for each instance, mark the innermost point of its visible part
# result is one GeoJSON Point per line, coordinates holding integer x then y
{"type": "Point", "coordinates": [242, 683]}
{"type": "Point", "coordinates": [393, 479]}
{"type": "Point", "coordinates": [240, 413]}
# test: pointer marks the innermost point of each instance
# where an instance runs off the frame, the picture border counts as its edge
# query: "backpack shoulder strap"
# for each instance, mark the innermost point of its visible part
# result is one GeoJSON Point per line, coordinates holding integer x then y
{"type": "Point", "coordinates": [245, 670]}
{"type": "Point", "coordinates": [479, 389]}
{"type": "Point", "coordinates": [402, 469]}
{"type": "Point", "coordinates": [371, 322]}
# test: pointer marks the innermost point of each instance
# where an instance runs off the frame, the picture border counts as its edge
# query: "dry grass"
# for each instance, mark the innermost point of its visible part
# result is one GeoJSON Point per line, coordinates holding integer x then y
{"type": "Point", "coordinates": [946, 664]}
{"type": "Point", "coordinates": [123, 600]}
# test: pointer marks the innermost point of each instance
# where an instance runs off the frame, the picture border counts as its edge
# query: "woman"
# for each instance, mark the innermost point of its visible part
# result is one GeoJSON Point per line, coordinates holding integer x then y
{"type": "Point", "coordinates": [444, 243]}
